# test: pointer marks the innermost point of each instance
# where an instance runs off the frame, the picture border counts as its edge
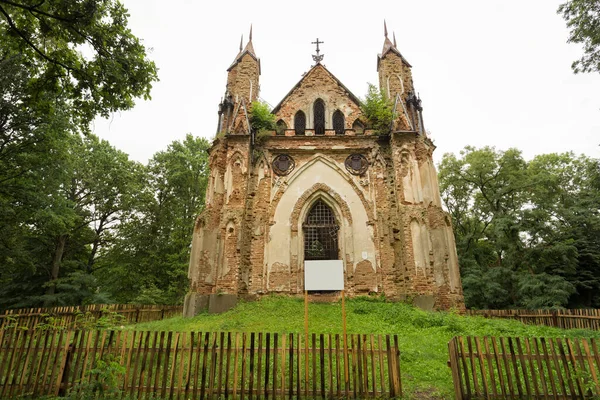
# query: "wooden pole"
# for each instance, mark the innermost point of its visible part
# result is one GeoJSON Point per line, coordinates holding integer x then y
{"type": "Point", "coordinates": [305, 344]}
{"type": "Point", "coordinates": [346, 370]}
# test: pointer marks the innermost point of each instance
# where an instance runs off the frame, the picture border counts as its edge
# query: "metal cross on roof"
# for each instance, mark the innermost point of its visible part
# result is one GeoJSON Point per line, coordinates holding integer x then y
{"type": "Point", "coordinates": [318, 57]}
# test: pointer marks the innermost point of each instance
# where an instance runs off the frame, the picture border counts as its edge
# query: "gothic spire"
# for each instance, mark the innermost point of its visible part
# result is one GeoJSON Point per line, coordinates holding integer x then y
{"type": "Point", "coordinates": [241, 41]}
{"type": "Point", "coordinates": [395, 45]}
{"type": "Point", "coordinates": [249, 47]}
{"type": "Point", "coordinates": [385, 33]}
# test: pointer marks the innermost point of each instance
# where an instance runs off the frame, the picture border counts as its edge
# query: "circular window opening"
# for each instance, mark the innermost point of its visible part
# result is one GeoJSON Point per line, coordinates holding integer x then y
{"type": "Point", "coordinates": [283, 164]}
{"type": "Point", "coordinates": [356, 164]}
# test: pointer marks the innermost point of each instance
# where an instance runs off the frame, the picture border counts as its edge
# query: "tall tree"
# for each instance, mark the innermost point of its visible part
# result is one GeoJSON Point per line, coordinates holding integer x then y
{"type": "Point", "coordinates": [149, 263]}
{"type": "Point", "coordinates": [80, 48]}
{"type": "Point", "coordinates": [583, 20]}
{"type": "Point", "coordinates": [518, 227]}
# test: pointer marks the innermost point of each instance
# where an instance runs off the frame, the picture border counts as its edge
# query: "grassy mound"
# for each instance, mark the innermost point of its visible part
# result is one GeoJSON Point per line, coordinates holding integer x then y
{"type": "Point", "coordinates": [423, 336]}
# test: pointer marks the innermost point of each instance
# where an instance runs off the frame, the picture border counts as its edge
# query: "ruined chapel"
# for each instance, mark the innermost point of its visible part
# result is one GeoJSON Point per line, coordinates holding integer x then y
{"type": "Point", "coordinates": [323, 186]}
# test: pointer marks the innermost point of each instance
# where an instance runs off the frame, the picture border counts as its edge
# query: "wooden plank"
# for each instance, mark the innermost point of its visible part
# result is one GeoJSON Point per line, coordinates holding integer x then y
{"type": "Point", "coordinates": [484, 381]}
{"type": "Point", "coordinates": [330, 361]}
{"type": "Point", "coordinates": [267, 364]}
{"type": "Point", "coordinates": [204, 362]}
{"type": "Point", "coordinates": [298, 361]}
{"type": "Point", "coordinates": [143, 366]}
{"type": "Point", "coordinates": [160, 364]}
{"type": "Point", "coordinates": [572, 357]}
{"type": "Point", "coordinates": [558, 369]}
{"type": "Point", "coordinates": [163, 389]}
{"type": "Point", "coordinates": [63, 364]}
{"type": "Point", "coordinates": [539, 356]}
{"type": "Point", "coordinates": [181, 354]}
{"type": "Point", "coordinates": [220, 372]}
{"type": "Point", "coordinates": [314, 366]}
{"type": "Point", "coordinates": [338, 362]}
{"type": "Point", "coordinates": [227, 365]}
{"type": "Point", "coordinates": [243, 379]}
{"type": "Point", "coordinates": [17, 370]}
{"type": "Point", "coordinates": [454, 367]}
{"type": "Point", "coordinates": [275, 368]}
{"type": "Point", "coordinates": [259, 365]}
{"type": "Point", "coordinates": [373, 369]}
{"type": "Point", "coordinates": [380, 355]}
{"type": "Point", "coordinates": [463, 360]}
{"type": "Point", "coordinates": [547, 362]}
{"type": "Point", "coordinates": [523, 367]}
{"type": "Point", "coordinates": [49, 362]}
{"type": "Point", "coordinates": [590, 363]}
{"type": "Point", "coordinates": [565, 361]}
{"type": "Point", "coordinates": [529, 351]}
{"type": "Point", "coordinates": [283, 370]}
{"type": "Point", "coordinates": [175, 352]}
{"type": "Point", "coordinates": [513, 357]}
{"type": "Point", "coordinates": [213, 366]}
{"type": "Point", "coordinates": [499, 367]}
{"type": "Point", "coordinates": [322, 363]}
{"type": "Point", "coordinates": [29, 371]}
{"type": "Point", "coordinates": [235, 368]}
{"type": "Point", "coordinates": [490, 366]}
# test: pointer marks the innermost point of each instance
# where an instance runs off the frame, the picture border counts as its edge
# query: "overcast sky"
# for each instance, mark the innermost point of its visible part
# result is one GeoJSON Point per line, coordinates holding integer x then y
{"type": "Point", "coordinates": [489, 72]}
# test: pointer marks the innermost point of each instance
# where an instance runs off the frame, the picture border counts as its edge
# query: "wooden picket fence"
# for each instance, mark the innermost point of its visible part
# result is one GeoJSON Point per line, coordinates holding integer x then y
{"type": "Point", "coordinates": [502, 368]}
{"type": "Point", "coordinates": [565, 319]}
{"type": "Point", "coordinates": [82, 316]}
{"type": "Point", "coordinates": [207, 365]}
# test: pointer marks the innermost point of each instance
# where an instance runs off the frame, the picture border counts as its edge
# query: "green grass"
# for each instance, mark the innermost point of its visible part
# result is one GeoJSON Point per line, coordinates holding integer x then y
{"type": "Point", "coordinates": [423, 336]}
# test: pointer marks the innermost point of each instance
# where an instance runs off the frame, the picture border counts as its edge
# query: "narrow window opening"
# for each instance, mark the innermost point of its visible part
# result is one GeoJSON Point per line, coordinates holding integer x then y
{"type": "Point", "coordinates": [300, 123]}
{"type": "Point", "coordinates": [338, 122]}
{"type": "Point", "coordinates": [281, 127]}
{"type": "Point", "coordinates": [319, 115]}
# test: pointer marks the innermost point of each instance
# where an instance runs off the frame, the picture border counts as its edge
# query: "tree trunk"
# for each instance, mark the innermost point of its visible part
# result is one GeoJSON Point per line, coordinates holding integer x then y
{"type": "Point", "coordinates": [61, 241]}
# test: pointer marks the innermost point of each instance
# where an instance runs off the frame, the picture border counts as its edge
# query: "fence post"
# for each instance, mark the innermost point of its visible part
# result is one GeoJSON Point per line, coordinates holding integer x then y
{"type": "Point", "coordinates": [554, 318]}
{"type": "Point", "coordinates": [454, 366]}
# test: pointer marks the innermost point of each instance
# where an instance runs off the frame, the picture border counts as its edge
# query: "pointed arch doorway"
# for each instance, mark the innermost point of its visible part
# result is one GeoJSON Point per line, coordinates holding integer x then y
{"type": "Point", "coordinates": [320, 229]}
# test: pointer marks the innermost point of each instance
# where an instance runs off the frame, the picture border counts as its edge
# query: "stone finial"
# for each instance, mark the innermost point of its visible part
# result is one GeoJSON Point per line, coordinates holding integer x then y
{"type": "Point", "coordinates": [241, 42]}
{"type": "Point", "coordinates": [250, 37]}
{"type": "Point", "coordinates": [385, 32]}
{"type": "Point", "coordinates": [396, 46]}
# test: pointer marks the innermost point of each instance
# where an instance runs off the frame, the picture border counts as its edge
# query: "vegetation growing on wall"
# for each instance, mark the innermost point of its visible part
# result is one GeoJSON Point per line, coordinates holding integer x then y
{"type": "Point", "coordinates": [377, 108]}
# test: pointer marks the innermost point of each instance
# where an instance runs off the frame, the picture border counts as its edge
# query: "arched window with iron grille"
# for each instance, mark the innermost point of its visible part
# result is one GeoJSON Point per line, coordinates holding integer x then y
{"type": "Point", "coordinates": [319, 117]}
{"type": "Point", "coordinates": [320, 233]}
{"type": "Point", "coordinates": [300, 123]}
{"type": "Point", "coordinates": [338, 122]}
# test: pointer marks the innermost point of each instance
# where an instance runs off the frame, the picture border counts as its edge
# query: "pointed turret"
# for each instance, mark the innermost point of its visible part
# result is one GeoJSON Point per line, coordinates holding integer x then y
{"type": "Point", "coordinates": [395, 79]}
{"type": "Point", "coordinates": [242, 85]}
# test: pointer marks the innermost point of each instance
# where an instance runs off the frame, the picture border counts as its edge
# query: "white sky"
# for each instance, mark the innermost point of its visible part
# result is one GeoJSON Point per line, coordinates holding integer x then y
{"type": "Point", "coordinates": [493, 72]}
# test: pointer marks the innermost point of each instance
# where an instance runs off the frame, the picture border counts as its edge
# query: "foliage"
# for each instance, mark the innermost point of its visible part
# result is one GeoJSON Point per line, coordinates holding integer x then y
{"type": "Point", "coordinates": [261, 118]}
{"type": "Point", "coordinates": [377, 108]}
{"type": "Point", "coordinates": [81, 50]}
{"type": "Point", "coordinates": [149, 260]}
{"type": "Point", "coordinates": [583, 20]}
{"type": "Point", "coordinates": [104, 384]}
{"type": "Point", "coordinates": [518, 227]}
{"type": "Point", "coordinates": [62, 195]}
{"type": "Point", "coordinates": [423, 336]}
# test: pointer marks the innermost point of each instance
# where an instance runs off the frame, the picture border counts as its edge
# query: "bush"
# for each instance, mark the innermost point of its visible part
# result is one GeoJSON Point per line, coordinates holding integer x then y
{"type": "Point", "coordinates": [377, 108]}
{"type": "Point", "coordinates": [261, 118]}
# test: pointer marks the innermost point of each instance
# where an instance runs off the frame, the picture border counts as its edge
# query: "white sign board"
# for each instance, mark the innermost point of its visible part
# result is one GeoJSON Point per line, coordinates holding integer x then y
{"type": "Point", "coordinates": [324, 275]}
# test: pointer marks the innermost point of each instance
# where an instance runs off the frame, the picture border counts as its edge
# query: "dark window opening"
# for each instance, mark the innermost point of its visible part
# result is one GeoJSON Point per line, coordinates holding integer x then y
{"type": "Point", "coordinates": [281, 127]}
{"type": "Point", "coordinates": [358, 127]}
{"type": "Point", "coordinates": [338, 122]}
{"type": "Point", "coordinates": [320, 233]}
{"type": "Point", "coordinates": [319, 115]}
{"type": "Point", "coordinates": [300, 123]}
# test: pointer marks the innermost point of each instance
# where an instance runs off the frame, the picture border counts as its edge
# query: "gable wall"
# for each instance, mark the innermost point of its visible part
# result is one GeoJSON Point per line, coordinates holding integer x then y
{"type": "Point", "coordinates": [318, 84]}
